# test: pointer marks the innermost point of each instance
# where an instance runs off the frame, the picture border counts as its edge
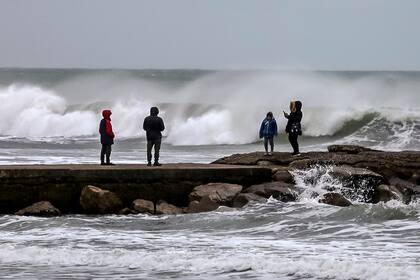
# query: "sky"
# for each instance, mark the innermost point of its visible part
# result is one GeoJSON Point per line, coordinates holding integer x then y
{"type": "Point", "coordinates": [211, 34]}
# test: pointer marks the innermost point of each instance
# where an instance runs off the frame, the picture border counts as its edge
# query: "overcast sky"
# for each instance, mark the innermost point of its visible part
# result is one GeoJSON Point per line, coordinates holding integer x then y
{"type": "Point", "coordinates": [216, 34]}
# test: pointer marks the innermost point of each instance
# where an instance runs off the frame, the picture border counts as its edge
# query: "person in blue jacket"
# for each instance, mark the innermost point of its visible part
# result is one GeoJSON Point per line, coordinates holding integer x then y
{"type": "Point", "coordinates": [268, 130]}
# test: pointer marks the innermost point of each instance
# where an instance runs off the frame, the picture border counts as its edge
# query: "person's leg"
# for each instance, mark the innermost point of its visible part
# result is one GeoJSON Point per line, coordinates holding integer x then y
{"type": "Point", "coordinates": [271, 143]}
{"type": "Point", "coordinates": [266, 144]}
{"type": "Point", "coordinates": [157, 151]}
{"type": "Point", "coordinates": [293, 141]}
{"type": "Point", "coordinates": [108, 154]}
{"type": "Point", "coordinates": [103, 154]}
{"type": "Point", "coordinates": [149, 151]}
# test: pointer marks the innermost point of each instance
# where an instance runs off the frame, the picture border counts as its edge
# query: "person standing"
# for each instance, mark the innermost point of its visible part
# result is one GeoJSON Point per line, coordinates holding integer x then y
{"type": "Point", "coordinates": [293, 127]}
{"type": "Point", "coordinates": [153, 125]}
{"type": "Point", "coordinates": [107, 137]}
{"type": "Point", "coordinates": [268, 130]}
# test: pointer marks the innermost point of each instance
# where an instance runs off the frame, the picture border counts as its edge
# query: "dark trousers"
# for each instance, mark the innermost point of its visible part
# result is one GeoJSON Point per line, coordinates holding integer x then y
{"type": "Point", "coordinates": [266, 141]}
{"type": "Point", "coordinates": [150, 144]}
{"type": "Point", "coordinates": [293, 139]}
{"type": "Point", "coordinates": [106, 151]}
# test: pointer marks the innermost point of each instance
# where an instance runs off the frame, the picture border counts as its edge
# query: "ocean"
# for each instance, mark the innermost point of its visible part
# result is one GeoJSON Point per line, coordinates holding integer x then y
{"type": "Point", "coordinates": [51, 116]}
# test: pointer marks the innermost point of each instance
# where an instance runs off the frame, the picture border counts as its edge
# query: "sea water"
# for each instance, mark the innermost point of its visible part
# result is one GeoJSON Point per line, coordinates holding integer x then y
{"type": "Point", "coordinates": [52, 117]}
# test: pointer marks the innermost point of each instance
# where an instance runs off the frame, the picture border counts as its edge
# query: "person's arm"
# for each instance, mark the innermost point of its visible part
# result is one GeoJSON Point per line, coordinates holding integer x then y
{"type": "Point", "coordinates": [108, 129]}
{"type": "Point", "coordinates": [261, 130]}
{"type": "Point", "coordinates": [286, 115]}
{"type": "Point", "coordinates": [275, 128]}
{"type": "Point", "coordinates": [145, 124]}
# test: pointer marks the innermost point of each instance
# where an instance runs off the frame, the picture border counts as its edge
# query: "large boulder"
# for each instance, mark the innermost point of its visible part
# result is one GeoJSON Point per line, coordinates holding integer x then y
{"type": "Point", "coordinates": [335, 199]}
{"type": "Point", "coordinates": [283, 175]}
{"type": "Point", "coordinates": [95, 200]}
{"type": "Point", "coordinates": [204, 205]}
{"type": "Point", "coordinates": [164, 208]}
{"type": "Point", "coordinates": [243, 199]}
{"type": "Point", "coordinates": [386, 193]}
{"type": "Point", "coordinates": [279, 190]}
{"type": "Point", "coordinates": [143, 206]}
{"type": "Point", "coordinates": [358, 183]}
{"type": "Point", "coordinates": [39, 209]}
{"type": "Point", "coordinates": [220, 193]}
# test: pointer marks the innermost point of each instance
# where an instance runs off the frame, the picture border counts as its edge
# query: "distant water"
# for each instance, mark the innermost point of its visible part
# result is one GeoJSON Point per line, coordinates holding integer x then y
{"type": "Point", "coordinates": [52, 117]}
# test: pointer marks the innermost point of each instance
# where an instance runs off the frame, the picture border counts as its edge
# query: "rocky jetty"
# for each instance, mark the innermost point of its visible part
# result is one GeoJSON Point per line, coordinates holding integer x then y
{"type": "Point", "coordinates": [338, 177]}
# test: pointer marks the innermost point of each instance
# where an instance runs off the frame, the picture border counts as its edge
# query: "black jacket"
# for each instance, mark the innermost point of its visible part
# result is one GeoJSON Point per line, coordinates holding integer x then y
{"type": "Point", "coordinates": [153, 125]}
{"type": "Point", "coordinates": [294, 119]}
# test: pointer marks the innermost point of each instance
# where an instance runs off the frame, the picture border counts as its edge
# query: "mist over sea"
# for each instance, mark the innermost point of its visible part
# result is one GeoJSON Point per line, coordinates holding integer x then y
{"type": "Point", "coordinates": [51, 116]}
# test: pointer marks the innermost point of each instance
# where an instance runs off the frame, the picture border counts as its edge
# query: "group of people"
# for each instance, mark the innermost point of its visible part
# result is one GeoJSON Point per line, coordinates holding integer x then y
{"type": "Point", "coordinates": [268, 129]}
{"type": "Point", "coordinates": [154, 125]}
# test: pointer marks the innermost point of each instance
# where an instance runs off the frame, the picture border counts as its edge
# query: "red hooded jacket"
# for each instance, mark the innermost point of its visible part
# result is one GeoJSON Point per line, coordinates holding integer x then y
{"type": "Point", "coordinates": [105, 128]}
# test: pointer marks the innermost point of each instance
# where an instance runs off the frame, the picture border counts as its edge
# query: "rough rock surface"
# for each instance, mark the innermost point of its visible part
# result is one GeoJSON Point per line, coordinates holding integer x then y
{"type": "Point", "coordinates": [204, 205]}
{"type": "Point", "coordinates": [386, 193]}
{"type": "Point", "coordinates": [220, 193]}
{"type": "Point", "coordinates": [283, 175]}
{"type": "Point", "coordinates": [335, 199]}
{"type": "Point", "coordinates": [164, 208]}
{"type": "Point", "coordinates": [143, 206]}
{"type": "Point", "coordinates": [279, 190]}
{"type": "Point", "coordinates": [402, 165]}
{"type": "Point", "coordinates": [243, 199]}
{"type": "Point", "coordinates": [40, 209]}
{"type": "Point", "coordinates": [95, 200]}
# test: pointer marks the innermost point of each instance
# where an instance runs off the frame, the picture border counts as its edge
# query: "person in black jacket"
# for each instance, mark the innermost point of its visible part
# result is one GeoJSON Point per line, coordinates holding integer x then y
{"type": "Point", "coordinates": [153, 125]}
{"type": "Point", "coordinates": [293, 127]}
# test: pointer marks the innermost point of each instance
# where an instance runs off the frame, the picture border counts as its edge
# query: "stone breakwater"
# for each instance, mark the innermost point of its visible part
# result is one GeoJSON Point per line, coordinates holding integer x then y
{"type": "Point", "coordinates": [235, 181]}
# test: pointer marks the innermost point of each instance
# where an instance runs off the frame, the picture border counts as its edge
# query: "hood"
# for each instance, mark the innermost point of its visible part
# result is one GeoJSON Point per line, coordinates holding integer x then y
{"type": "Point", "coordinates": [154, 111]}
{"type": "Point", "coordinates": [298, 105]}
{"type": "Point", "coordinates": [106, 114]}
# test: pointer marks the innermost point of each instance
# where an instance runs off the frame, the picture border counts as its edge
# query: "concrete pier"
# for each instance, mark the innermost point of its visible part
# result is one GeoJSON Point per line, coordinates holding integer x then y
{"type": "Point", "coordinates": [21, 186]}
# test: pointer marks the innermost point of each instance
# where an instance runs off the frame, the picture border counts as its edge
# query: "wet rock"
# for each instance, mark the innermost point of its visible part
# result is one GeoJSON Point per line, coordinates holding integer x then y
{"type": "Point", "coordinates": [348, 149]}
{"type": "Point", "coordinates": [243, 199]}
{"type": "Point", "coordinates": [283, 175]}
{"type": "Point", "coordinates": [204, 205]}
{"type": "Point", "coordinates": [386, 193]}
{"type": "Point", "coordinates": [95, 200]}
{"type": "Point", "coordinates": [143, 206]}
{"type": "Point", "coordinates": [127, 211]}
{"type": "Point", "coordinates": [335, 199]}
{"type": "Point", "coordinates": [408, 189]}
{"type": "Point", "coordinates": [220, 193]}
{"type": "Point", "coordinates": [279, 190]}
{"type": "Point", "coordinates": [164, 208]}
{"type": "Point", "coordinates": [358, 183]}
{"type": "Point", "coordinates": [39, 209]}
{"type": "Point", "coordinates": [264, 163]}
{"type": "Point", "coordinates": [415, 179]}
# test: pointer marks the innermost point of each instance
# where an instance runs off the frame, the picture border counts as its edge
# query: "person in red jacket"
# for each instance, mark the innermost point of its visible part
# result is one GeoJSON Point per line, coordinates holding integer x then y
{"type": "Point", "coordinates": [107, 137]}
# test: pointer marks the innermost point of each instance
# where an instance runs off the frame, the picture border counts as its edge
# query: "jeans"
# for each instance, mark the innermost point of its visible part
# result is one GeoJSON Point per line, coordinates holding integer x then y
{"type": "Point", "coordinates": [106, 151]}
{"type": "Point", "coordinates": [293, 139]}
{"type": "Point", "coordinates": [266, 140]}
{"type": "Point", "coordinates": [150, 144]}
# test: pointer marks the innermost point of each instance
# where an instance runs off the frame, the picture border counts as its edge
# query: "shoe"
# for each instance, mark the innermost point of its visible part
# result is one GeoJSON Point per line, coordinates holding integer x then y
{"type": "Point", "coordinates": [157, 164]}
{"type": "Point", "coordinates": [149, 164]}
{"type": "Point", "coordinates": [103, 163]}
{"type": "Point", "coordinates": [295, 154]}
{"type": "Point", "coordinates": [270, 154]}
{"type": "Point", "coordinates": [266, 154]}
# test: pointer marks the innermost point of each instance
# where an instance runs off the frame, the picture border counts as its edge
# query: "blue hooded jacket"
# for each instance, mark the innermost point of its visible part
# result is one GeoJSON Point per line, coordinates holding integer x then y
{"type": "Point", "coordinates": [268, 128]}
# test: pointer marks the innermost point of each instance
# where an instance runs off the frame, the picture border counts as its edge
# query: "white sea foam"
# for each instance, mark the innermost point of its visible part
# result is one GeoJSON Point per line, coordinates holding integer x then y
{"type": "Point", "coordinates": [240, 102]}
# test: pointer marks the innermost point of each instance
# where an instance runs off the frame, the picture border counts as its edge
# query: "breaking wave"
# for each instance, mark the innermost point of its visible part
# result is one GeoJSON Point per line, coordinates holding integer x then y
{"type": "Point", "coordinates": [222, 108]}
